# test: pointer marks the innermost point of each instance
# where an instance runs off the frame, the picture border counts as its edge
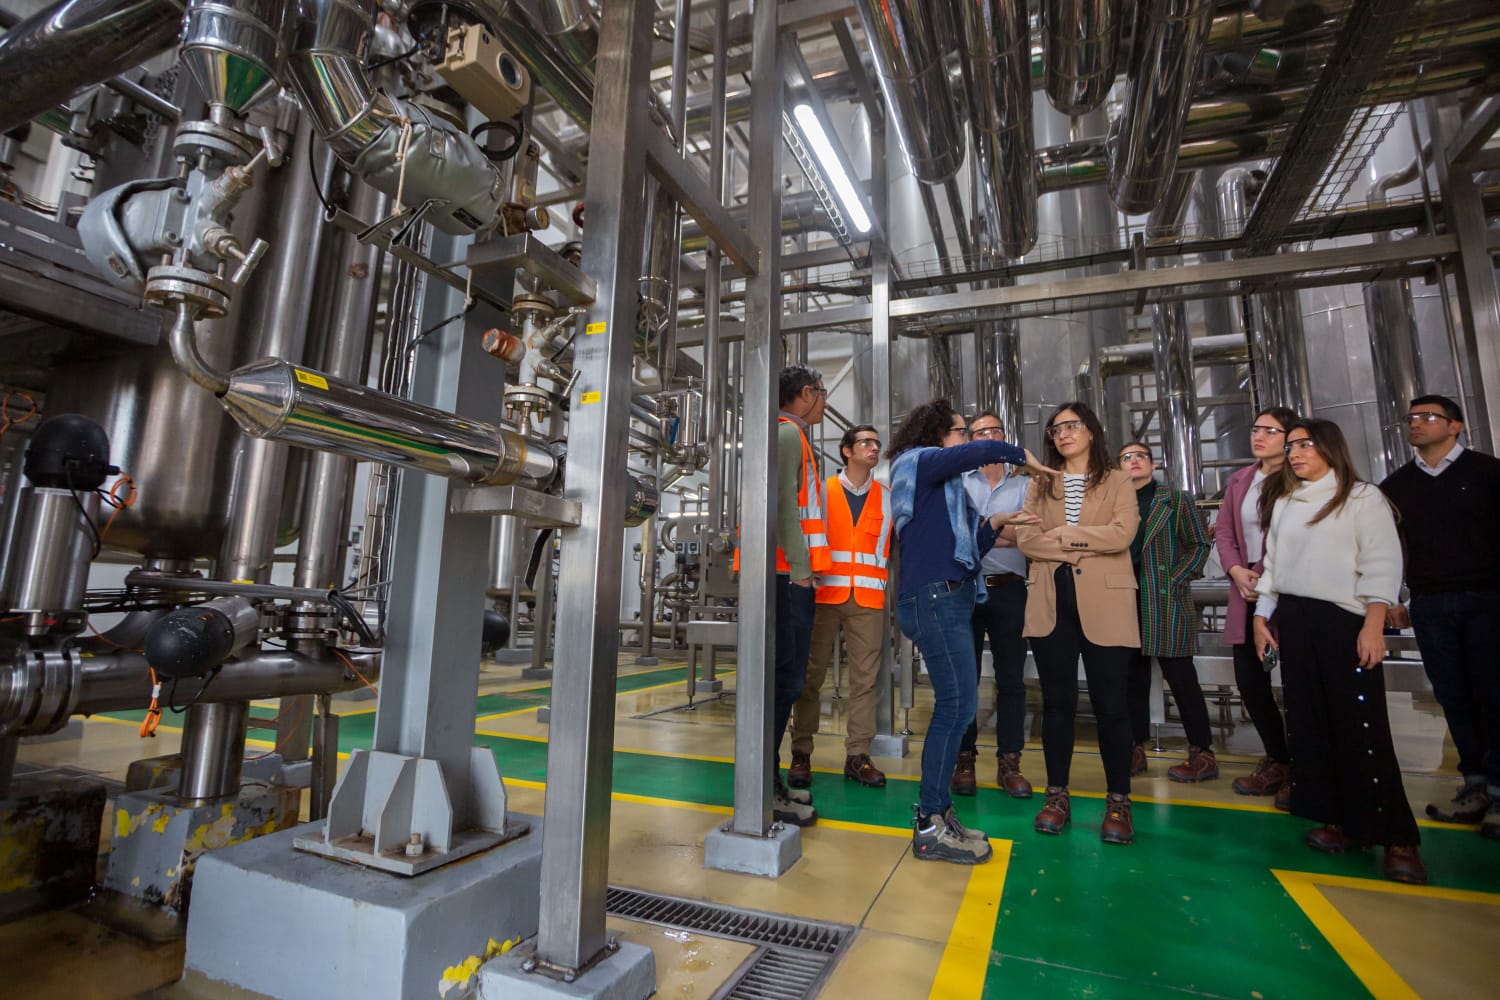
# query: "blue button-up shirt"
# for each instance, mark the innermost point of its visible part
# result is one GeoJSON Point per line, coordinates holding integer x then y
{"type": "Point", "coordinates": [1006, 498]}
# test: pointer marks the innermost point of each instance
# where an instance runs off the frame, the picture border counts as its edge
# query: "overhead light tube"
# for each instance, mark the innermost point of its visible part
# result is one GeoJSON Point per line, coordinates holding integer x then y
{"type": "Point", "coordinates": [833, 168]}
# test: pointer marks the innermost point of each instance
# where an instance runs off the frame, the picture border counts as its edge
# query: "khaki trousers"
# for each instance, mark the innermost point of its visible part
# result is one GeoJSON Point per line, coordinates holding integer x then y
{"type": "Point", "coordinates": [862, 644]}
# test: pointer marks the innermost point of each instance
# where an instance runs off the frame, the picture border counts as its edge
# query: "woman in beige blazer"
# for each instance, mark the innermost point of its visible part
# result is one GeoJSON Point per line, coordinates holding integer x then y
{"type": "Point", "coordinates": [1081, 600]}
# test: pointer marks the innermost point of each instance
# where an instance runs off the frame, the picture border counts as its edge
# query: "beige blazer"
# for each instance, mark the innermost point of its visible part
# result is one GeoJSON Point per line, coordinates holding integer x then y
{"type": "Point", "coordinates": [1098, 550]}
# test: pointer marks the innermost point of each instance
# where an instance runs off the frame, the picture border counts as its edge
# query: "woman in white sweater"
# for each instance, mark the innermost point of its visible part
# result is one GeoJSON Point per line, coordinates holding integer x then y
{"type": "Point", "coordinates": [1332, 567]}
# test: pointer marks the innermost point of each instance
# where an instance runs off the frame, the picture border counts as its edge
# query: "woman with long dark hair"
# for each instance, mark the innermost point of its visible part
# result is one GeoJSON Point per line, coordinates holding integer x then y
{"type": "Point", "coordinates": [1332, 568]}
{"type": "Point", "coordinates": [1239, 535]}
{"type": "Point", "coordinates": [1082, 600]}
{"type": "Point", "coordinates": [942, 538]}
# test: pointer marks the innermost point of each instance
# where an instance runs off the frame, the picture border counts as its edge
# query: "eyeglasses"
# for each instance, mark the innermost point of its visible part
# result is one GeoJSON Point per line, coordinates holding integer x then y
{"type": "Point", "coordinates": [960, 430]}
{"type": "Point", "coordinates": [1263, 430]}
{"type": "Point", "coordinates": [820, 390]}
{"type": "Point", "coordinates": [1301, 444]}
{"type": "Point", "coordinates": [1135, 456]}
{"type": "Point", "coordinates": [868, 443]}
{"type": "Point", "coordinates": [1064, 427]}
{"type": "Point", "coordinates": [1418, 419]}
{"type": "Point", "coordinates": [987, 432]}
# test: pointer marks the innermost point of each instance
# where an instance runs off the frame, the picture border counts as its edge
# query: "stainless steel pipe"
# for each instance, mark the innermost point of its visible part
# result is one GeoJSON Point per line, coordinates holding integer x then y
{"type": "Point", "coordinates": [213, 750]}
{"type": "Point", "coordinates": [1136, 359]}
{"type": "Point", "coordinates": [1165, 56]}
{"type": "Point", "coordinates": [996, 45]}
{"type": "Point", "coordinates": [74, 44]}
{"type": "Point", "coordinates": [1080, 40]}
{"type": "Point", "coordinates": [908, 41]}
{"type": "Point", "coordinates": [49, 569]}
{"type": "Point", "coordinates": [1172, 356]}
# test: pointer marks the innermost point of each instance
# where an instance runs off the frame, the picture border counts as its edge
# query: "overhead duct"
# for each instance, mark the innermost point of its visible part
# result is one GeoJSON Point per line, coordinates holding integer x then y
{"type": "Point", "coordinates": [908, 40]}
{"type": "Point", "coordinates": [394, 145]}
{"type": "Point", "coordinates": [1137, 359]}
{"type": "Point", "coordinates": [573, 26]}
{"type": "Point", "coordinates": [1080, 40]}
{"type": "Point", "coordinates": [1170, 38]}
{"type": "Point", "coordinates": [997, 52]}
{"type": "Point", "coordinates": [74, 44]}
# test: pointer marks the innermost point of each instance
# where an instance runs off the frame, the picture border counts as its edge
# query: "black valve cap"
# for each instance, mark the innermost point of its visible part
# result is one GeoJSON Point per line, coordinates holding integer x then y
{"type": "Point", "coordinates": [496, 631]}
{"type": "Point", "coordinates": [68, 452]}
{"type": "Point", "coordinates": [189, 642]}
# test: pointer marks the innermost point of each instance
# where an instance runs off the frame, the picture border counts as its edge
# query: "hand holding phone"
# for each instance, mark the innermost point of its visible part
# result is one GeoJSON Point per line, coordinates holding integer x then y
{"type": "Point", "coordinates": [1271, 658]}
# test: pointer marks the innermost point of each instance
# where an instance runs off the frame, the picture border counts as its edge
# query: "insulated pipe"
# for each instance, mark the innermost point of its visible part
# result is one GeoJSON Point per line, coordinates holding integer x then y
{"type": "Point", "coordinates": [1172, 353]}
{"type": "Point", "coordinates": [1137, 359]}
{"type": "Point", "coordinates": [908, 41]}
{"type": "Point", "coordinates": [74, 44]}
{"type": "Point", "coordinates": [1165, 57]}
{"type": "Point", "coordinates": [996, 45]}
{"type": "Point", "coordinates": [1080, 39]}
{"type": "Point", "coordinates": [393, 144]}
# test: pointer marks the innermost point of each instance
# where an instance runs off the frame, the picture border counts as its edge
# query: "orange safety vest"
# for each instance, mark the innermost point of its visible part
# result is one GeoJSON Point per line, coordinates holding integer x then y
{"type": "Point", "coordinates": [861, 552]}
{"type": "Point", "coordinates": [809, 510]}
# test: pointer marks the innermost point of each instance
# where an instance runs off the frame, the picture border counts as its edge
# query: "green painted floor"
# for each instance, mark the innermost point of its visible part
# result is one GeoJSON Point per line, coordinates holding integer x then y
{"type": "Point", "coordinates": [1193, 907]}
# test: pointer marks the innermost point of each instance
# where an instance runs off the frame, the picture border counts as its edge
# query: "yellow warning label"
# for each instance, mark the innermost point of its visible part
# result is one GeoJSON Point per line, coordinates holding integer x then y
{"type": "Point", "coordinates": [594, 328]}
{"type": "Point", "coordinates": [589, 397]}
{"type": "Point", "coordinates": [311, 378]}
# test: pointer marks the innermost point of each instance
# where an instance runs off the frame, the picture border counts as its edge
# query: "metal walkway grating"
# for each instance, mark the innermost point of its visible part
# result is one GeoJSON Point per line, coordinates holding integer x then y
{"type": "Point", "coordinates": [790, 963]}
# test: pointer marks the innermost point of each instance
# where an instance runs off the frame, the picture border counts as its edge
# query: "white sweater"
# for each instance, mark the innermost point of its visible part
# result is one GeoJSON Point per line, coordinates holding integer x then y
{"type": "Point", "coordinates": [1351, 558]}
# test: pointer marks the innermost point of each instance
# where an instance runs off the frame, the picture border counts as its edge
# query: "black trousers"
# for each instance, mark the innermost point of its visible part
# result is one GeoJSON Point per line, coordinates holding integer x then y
{"type": "Point", "coordinates": [1003, 619]}
{"type": "Point", "coordinates": [1254, 682]}
{"type": "Point", "coordinates": [1182, 677]}
{"type": "Point", "coordinates": [1344, 768]}
{"type": "Point", "coordinates": [1107, 670]}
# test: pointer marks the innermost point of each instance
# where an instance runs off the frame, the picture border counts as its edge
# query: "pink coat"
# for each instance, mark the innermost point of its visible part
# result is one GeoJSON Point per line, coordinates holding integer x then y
{"type": "Point", "coordinates": [1229, 539]}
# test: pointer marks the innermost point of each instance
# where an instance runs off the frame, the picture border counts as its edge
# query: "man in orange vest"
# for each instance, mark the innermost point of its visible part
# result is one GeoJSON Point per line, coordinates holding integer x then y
{"type": "Point", "coordinates": [850, 595]}
{"type": "Point", "coordinates": [802, 551]}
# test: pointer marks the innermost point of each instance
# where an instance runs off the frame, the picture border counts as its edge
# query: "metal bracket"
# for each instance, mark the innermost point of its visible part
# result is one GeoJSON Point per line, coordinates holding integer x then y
{"type": "Point", "coordinates": [540, 510]}
{"type": "Point", "coordinates": [388, 234]}
{"type": "Point", "coordinates": [524, 250]}
{"type": "Point", "coordinates": [1138, 263]}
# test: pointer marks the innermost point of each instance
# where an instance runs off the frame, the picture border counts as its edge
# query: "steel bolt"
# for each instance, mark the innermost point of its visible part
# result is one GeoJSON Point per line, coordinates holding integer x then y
{"type": "Point", "coordinates": [569, 976]}
{"type": "Point", "coordinates": [414, 846]}
{"type": "Point", "coordinates": [529, 965]}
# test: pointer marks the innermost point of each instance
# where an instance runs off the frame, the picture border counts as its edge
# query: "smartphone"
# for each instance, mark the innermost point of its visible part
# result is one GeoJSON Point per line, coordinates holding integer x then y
{"type": "Point", "coordinates": [1272, 659]}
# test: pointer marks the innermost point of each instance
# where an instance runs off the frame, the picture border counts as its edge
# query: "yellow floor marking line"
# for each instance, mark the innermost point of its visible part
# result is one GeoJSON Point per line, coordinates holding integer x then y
{"type": "Point", "coordinates": [966, 958]}
{"type": "Point", "coordinates": [1378, 976]}
{"type": "Point", "coordinates": [533, 708]}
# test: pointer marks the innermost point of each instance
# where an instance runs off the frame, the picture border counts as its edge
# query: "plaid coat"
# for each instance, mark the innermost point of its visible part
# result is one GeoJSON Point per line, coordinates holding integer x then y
{"type": "Point", "coordinates": [1174, 552]}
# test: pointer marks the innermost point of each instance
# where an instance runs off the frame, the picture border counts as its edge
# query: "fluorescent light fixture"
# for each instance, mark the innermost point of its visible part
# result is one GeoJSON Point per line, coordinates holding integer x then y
{"type": "Point", "coordinates": [833, 168]}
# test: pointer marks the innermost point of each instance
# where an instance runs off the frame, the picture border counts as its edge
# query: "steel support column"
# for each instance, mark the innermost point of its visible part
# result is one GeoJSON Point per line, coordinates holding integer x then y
{"type": "Point", "coordinates": [1478, 301]}
{"type": "Point", "coordinates": [575, 852]}
{"type": "Point", "coordinates": [753, 753]}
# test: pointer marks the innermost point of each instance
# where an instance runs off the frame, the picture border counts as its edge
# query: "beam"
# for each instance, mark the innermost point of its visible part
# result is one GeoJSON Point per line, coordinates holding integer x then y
{"type": "Point", "coordinates": [1475, 131]}
{"type": "Point", "coordinates": [692, 193]}
{"type": "Point", "coordinates": [802, 14]}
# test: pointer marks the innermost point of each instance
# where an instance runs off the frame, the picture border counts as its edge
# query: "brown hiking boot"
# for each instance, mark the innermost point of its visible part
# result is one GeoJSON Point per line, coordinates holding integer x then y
{"type": "Point", "coordinates": [1201, 765]}
{"type": "Point", "coordinates": [1404, 864]}
{"type": "Point", "coordinates": [799, 775]}
{"type": "Point", "coordinates": [861, 769]}
{"type": "Point", "coordinates": [1009, 777]}
{"type": "Point", "coordinates": [1138, 759]}
{"type": "Point", "coordinates": [1283, 800]}
{"type": "Point", "coordinates": [1116, 828]}
{"type": "Point", "coordinates": [1057, 811]}
{"type": "Point", "coordinates": [1330, 839]}
{"type": "Point", "coordinates": [964, 782]}
{"type": "Point", "coordinates": [1267, 779]}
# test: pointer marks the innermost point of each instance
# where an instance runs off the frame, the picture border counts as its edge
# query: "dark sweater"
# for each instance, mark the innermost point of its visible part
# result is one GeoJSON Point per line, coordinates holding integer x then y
{"type": "Point", "coordinates": [1144, 496]}
{"type": "Point", "coordinates": [1450, 524]}
{"type": "Point", "coordinates": [927, 542]}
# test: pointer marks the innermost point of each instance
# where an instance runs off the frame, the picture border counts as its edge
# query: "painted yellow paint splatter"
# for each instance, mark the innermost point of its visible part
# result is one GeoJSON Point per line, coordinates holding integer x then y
{"type": "Point", "coordinates": [460, 974]}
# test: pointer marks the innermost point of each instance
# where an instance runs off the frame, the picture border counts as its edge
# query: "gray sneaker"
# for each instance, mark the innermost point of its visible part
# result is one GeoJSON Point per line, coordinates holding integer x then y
{"type": "Point", "coordinates": [950, 817]}
{"type": "Point", "coordinates": [1489, 828]}
{"type": "Point", "coordinates": [1470, 805]}
{"type": "Point", "coordinates": [789, 810]}
{"type": "Point", "coordinates": [799, 795]}
{"type": "Point", "coordinates": [943, 838]}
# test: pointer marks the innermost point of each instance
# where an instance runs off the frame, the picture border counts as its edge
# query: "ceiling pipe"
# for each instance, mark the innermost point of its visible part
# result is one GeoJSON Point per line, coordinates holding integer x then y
{"type": "Point", "coordinates": [908, 41]}
{"type": "Point", "coordinates": [1169, 46]}
{"type": "Point", "coordinates": [1080, 42]}
{"type": "Point", "coordinates": [996, 47]}
{"type": "Point", "coordinates": [74, 44]}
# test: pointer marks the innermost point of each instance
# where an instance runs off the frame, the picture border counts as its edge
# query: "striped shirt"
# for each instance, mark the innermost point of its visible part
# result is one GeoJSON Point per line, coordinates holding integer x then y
{"type": "Point", "coordinates": [1073, 487]}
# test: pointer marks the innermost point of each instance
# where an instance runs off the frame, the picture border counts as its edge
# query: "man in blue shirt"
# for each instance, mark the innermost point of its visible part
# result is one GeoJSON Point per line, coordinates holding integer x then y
{"type": "Point", "coordinates": [998, 489]}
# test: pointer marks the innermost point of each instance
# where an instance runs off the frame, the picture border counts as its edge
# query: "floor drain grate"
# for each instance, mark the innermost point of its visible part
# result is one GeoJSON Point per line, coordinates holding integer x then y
{"type": "Point", "coordinates": [791, 961]}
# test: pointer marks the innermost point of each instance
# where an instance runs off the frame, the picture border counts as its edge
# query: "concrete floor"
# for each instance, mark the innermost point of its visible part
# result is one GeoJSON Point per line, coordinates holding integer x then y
{"type": "Point", "coordinates": [1216, 898]}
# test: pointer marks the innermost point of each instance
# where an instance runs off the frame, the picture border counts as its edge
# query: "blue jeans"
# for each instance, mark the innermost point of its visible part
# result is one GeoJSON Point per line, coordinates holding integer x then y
{"type": "Point", "coordinates": [940, 621]}
{"type": "Point", "coordinates": [794, 624]}
{"type": "Point", "coordinates": [1459, 636]}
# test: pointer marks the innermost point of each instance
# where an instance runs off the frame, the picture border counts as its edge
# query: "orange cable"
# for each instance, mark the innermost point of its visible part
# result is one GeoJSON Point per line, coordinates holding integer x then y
{"type": "Point", "coordinates": [350, 664]}
{"type": "Point", "coordinates": [119, 504]}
